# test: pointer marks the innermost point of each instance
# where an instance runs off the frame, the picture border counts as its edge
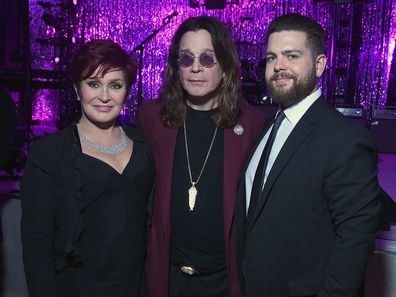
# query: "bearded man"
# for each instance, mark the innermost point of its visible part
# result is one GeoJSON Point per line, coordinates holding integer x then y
{"type": "Point", "coordinates": [308, 203]}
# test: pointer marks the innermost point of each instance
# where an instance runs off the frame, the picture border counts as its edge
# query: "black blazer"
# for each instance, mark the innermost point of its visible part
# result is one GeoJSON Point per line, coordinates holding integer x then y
{"type": "Point", "coordinates": [52, 207]}
{"type": "Point", "coordinates": [313, 229]}
{"type": "Point", "coordinates": [7, 127]}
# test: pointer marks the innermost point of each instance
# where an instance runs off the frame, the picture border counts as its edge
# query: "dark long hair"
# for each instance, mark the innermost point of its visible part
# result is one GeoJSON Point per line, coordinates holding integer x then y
{"type": "Point", "coordinates": [173, 96]}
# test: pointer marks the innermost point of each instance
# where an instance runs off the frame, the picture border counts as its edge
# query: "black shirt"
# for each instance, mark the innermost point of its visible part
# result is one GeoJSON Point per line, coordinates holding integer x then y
{"type": "Point", "coordinates": [198, 236]}
{"type": "Point", "coordinates": [74, 204]}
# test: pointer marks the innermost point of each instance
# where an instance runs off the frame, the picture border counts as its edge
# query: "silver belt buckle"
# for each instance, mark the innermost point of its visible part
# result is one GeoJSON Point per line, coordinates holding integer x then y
{"type": "Point", "coordinates": [188, 270]}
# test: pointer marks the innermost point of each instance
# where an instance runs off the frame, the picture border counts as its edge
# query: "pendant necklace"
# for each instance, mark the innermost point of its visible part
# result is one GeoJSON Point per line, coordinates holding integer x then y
{"type": "Point", "coordinates": [193, 192]}
{"type": "Point", "coordinates": [106, 149]}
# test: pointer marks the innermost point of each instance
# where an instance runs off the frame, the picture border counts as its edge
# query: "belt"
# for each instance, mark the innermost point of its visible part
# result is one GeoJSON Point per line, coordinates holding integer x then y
{"type": "Point", "coordinates": [191, 271]}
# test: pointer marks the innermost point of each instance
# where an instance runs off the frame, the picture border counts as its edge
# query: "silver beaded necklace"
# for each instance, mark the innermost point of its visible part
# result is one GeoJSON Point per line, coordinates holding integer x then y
{"type": "Point", "coordinates": [110, 150]}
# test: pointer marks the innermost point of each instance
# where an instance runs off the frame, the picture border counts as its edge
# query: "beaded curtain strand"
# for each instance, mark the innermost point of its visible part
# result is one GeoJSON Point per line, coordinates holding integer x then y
{"type": "Point", "coordinates": [129, 22]}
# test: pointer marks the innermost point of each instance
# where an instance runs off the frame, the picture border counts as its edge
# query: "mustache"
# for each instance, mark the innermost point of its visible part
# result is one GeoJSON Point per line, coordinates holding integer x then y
{"type": "Point", "coordinates": [283, 75]}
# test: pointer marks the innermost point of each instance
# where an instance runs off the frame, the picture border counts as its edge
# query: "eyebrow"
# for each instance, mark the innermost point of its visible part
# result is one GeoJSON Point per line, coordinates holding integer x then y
{"type": "Point", "coordinates": [190, 51]}
{"type": "Point", "coordinates": [285, 52]}
{"type": "Point", "coordinates": [99, 78]}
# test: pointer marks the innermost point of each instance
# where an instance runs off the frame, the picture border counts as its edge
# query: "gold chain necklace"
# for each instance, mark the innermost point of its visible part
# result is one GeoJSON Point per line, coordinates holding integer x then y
{"type": "Point", "coordinates": [193, 192]}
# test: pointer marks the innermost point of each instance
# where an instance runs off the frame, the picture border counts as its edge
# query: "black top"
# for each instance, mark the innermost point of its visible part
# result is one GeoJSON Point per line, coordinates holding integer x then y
{"type": "Point", "coordinates": [198, 235]}
{"type": "Point", "coordinates": [105, 255]}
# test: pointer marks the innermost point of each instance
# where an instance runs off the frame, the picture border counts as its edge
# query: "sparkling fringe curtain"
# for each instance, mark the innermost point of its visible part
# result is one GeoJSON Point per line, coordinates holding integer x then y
{"type": "Point", "coordinates": [129, 22]}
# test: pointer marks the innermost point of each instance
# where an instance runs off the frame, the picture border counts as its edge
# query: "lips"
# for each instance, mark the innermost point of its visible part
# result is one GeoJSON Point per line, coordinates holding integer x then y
{"type": "Point", "coordinates": [281, 79]}
{"type": "Point", "coordinates": [103, 108]}
{"type": "Point", "coordinates": [196, 80]}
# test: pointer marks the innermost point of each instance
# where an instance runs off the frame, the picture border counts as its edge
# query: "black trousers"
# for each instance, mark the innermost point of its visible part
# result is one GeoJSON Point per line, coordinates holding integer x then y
{"type": "Point", "coordinates": [210, 285]}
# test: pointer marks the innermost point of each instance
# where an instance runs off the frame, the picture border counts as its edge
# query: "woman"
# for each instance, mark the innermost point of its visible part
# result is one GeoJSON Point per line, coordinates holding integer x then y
{"type": "Point", "coordinates": [85, 190]}
{"type": "Point", "coordinates": [201, 133]}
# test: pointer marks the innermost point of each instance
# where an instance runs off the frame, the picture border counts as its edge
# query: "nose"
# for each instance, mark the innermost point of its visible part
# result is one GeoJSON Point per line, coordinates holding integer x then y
{"type": "Point", "coordinates": [104, 96]}
{"type": "Point", "coordinates": [279, 64]}
{"type": "Point", "coordinates": [196, 66]}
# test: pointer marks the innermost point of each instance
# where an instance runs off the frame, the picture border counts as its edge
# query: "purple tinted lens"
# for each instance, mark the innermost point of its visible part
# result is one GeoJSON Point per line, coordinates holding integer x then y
{"type": "Point", "coordinates": [186, 60]}
{"type": "Point", "coordinates": [206, 60]}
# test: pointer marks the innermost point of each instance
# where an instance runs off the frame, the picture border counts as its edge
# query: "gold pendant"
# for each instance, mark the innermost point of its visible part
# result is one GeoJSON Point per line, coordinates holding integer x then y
{"type": "Point", "coordinates": [192, 196]}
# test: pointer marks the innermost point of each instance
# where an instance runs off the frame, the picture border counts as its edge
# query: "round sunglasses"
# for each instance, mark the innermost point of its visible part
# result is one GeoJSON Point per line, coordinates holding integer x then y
{"type": "Point", "coordinates": [206, 59]}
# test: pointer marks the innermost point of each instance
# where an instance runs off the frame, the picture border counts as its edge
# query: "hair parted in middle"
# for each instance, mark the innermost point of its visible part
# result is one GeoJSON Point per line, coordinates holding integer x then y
{"type": "Point", "coordinates": [173, 96]}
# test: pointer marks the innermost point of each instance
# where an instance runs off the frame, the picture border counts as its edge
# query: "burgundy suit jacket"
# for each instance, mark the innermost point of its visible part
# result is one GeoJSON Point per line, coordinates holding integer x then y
{"type": "Point", "coordinates": [163, 141]}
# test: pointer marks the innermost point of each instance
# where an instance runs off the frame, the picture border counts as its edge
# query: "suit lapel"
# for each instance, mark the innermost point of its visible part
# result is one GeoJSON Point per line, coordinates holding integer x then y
{"type": "Point", "coordinates": [300, 132]}
{"type": "Point", "coordinates": [166, 151]}
{"type": "Point", "coordinates": [231, 148]}
{"type": "Point", "coordinates": [233, 151]}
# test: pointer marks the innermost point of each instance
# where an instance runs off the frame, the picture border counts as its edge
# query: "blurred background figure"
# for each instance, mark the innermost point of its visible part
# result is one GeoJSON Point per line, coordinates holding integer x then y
{"type": "Point", "coordinates": [7, 127]}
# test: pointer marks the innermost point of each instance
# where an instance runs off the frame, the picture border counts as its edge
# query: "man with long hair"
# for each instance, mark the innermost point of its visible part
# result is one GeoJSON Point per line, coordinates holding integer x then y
{"type": "Point", "coordinates": [201, 132]}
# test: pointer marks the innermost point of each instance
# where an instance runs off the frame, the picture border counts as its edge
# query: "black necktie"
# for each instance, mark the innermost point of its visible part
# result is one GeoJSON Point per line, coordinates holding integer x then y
{"type": "Point", "coordinates": [258, 181]}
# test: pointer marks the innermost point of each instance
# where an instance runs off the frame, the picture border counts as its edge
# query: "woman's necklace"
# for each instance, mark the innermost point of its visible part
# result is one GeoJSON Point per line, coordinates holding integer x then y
{"type": "Point", "coordinates": [193, 192]}
{"type": "Point", "coordinates": [106, 149]}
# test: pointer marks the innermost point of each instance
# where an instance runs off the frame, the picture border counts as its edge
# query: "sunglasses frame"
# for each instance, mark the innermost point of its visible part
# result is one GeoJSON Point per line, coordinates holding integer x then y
{"type": "Point", "coordinates": [199, 59]}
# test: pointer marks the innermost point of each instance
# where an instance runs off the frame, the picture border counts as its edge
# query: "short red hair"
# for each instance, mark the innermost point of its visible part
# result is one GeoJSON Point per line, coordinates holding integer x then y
{"type": "Point", "coordinates": [104, 55]}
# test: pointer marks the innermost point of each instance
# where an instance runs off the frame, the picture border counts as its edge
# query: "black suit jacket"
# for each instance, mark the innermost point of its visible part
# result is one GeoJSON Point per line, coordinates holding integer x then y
{"type": "Point", "coordinates": [7, 127]}
{"type": "Point", "coordinates": [313, 229]}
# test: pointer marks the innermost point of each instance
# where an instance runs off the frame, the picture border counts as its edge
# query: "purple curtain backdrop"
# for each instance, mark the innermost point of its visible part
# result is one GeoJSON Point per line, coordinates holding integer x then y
{"type": "Point", "coordinates": [357, 72]}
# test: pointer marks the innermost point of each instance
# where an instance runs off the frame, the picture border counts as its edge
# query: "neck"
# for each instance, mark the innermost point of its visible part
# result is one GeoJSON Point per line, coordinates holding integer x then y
{"type": "Point", "coordinates": [315, 89]}
{"type": "Point", "coordinates": [202, 104]}
{"type": "Point", "coordinates": [96, 128]}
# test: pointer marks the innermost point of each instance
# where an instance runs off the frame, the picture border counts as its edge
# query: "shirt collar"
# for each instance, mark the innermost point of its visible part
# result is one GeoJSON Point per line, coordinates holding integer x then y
{"type": "Point", "coordinates": [295, 112]}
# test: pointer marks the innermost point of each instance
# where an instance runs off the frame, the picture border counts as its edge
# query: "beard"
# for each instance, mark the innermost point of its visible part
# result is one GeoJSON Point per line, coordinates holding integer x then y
{"type": "Point", "coordinates": [300, 88]}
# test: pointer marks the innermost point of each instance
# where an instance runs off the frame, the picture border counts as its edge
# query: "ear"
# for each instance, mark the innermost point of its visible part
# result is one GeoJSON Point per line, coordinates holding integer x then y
{"type": "Point", "coordinates": [320, 64]}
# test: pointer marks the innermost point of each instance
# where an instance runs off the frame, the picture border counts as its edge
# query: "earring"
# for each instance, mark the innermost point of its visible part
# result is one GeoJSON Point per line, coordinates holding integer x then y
{"type": "Point", "coordinates": [78, 98]}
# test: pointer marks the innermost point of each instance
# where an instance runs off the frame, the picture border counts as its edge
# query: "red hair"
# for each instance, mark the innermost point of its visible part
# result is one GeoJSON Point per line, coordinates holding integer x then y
{"type": "Point", "coordinates": [104, 55]}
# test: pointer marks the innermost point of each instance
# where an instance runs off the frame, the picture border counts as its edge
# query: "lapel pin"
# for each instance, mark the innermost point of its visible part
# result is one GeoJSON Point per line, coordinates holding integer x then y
{"type": "Point", "coordinates": [238, 129]}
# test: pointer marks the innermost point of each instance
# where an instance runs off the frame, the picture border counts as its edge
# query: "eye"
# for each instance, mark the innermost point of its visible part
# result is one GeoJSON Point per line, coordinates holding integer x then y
{"type": "Point", "coordinates": [186, 59]}
{"type": "Point", "coordinates": [93, 84]}
{"type": "Point", "coordinates": [292, 56]}
{"type": "Point", "coordinates": [269, 58]}
{"type": "Point", "coordinates": [207, 60]}
{"type": "Point", "coordinates": [116, 86]}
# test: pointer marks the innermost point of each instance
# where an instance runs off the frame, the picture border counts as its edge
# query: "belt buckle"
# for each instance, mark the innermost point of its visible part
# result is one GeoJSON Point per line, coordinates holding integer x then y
{"type": "Point", "coordinates": [188, 270]}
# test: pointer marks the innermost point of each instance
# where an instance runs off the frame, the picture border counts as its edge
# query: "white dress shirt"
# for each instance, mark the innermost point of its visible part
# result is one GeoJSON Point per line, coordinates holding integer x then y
{"type": "Point", "coordinates": [293, 114]}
